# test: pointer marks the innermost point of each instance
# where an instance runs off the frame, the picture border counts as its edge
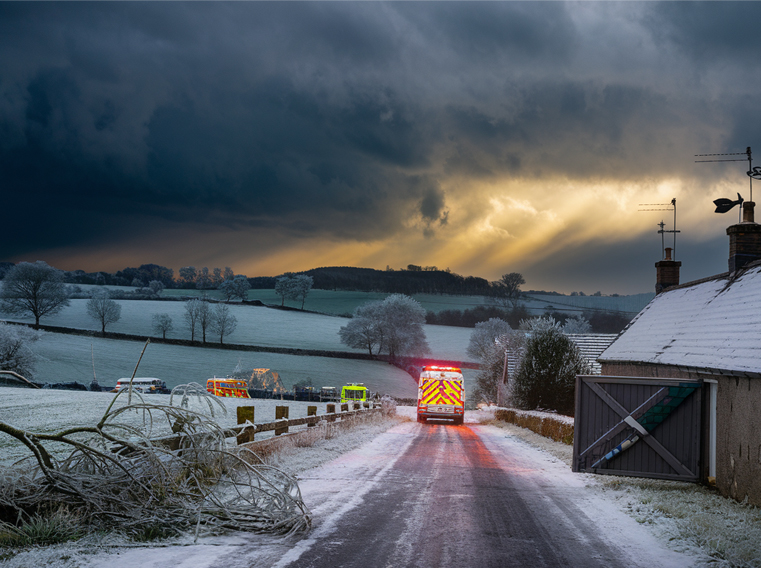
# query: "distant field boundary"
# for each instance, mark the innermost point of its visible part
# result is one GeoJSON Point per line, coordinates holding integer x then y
{"type": "Point", "coordinates": [253, 348]}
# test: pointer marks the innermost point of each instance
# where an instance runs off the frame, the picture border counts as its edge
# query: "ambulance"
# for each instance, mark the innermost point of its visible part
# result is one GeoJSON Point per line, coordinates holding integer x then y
{"type": "Point", "coordinates": [440, 394]}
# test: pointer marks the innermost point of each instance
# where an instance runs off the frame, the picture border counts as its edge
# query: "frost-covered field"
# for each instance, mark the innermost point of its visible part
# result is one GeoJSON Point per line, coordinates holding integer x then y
{"type": "Point", "coordinates": [337, 302]}
{"type": "Point", "coordinates": [538, 303]}
{"type": "Point", "coordinates": [64, 358]}
{"type": "Point", "coordinates": [47, 411]}
{"type": "Point", "coordinates": [340, 302]}
{"type": "Point", "coordinates": [256, 326]}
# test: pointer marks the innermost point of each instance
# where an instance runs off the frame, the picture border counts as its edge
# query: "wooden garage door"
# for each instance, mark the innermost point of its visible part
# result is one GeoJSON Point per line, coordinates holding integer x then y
{"type": "Point", "coordinates": [638, 426]}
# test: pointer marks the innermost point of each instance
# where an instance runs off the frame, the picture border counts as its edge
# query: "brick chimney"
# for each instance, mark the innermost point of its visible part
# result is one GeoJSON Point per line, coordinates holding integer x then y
{"type": "Point", "coordinates": [667, 273]}
{"type": "Point", "coordinates": [744, 240]}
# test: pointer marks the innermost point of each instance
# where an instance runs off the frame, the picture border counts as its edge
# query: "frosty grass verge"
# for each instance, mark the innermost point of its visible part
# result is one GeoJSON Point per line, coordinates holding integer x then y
{"type": "Point", "coordinates": [690, 516]}
{"type": "Point", "coordinates": [295, 454]}
{"type": "Point", "coordinates": [117, 477]}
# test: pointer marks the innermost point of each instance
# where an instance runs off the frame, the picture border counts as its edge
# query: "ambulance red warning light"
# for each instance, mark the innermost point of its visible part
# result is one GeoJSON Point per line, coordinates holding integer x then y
{"type": "Point", "coordinates": [440, 394]}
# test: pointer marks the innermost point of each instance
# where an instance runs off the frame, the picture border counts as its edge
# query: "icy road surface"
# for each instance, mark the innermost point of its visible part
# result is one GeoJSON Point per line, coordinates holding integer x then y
{"type": "Point", "coordinates": [435, 496]}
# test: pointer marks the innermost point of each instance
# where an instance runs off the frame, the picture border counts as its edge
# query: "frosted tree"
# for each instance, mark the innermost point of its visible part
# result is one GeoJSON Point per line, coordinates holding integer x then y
{"type": "Point", "coordinates": [34, 288]}
{"type": "Point", "coordinates": [15, 354]}
{"type": "Point", "coordinates": [284, 287]}
{"type": "Point", "coordinates": [492, 373]}
{"type": "Point", "coordinates": [156, 287]}
{"type": "Point", "coordinates": [192, 314]}
{"type": "Point", "coordinates": [364, 330]}
{"type": "Point", "coordinates": [237, 287]}
{"type": "Point", "coordinates": [162, 323]}
{"type": "Point", "coordinates": [222, 322]}
{"type": "Point", "coordinates": [483, 336]}
{"type": "Point", "coordinates": [402, 320]}
{"type": "Point", "coordinates": [103, 309]}
{"type": "Point", "coordinates": [539, 324]}
{"type": "Point", "coordinates": [302, 284]}
{"type": "Point", "coordinates": [577, 324]}
{"type": "Point", "coordinates": [394, 324]}
{"type": "Point", "coordinates": [227, 289]}
{"type": "Point", "coordinates": [492, 363]}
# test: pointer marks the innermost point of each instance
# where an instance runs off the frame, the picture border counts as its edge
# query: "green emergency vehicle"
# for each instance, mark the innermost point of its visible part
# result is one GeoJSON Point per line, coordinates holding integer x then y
{"type": "Point", "coordinates": [354, 392]}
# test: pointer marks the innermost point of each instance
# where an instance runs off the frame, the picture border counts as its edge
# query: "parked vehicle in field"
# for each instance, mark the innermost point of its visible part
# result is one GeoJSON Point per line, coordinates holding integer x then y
{"type": "Point", "coordinates": [354, 392]}
{"type": "Point", "coordinates": [441, 394]}
{"type": "Point", "coordinates": [146, 385]}
{"type": "Point", "coordinates": [228, 387]}
{"type": "Point", "coordinates": [328, 394]}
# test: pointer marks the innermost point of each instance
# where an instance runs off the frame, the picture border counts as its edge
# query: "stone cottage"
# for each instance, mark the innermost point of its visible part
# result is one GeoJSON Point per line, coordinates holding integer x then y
{"type": "Point", "coordinates": [710, 330]}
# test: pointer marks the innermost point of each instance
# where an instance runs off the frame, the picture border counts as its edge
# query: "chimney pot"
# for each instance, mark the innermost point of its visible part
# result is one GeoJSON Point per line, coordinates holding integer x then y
{"type": "Point", "coordinates": [744, 240]}
{"type": "Point", "coordinates": [667, 273]}
{"type": "Point", "coordinates": [748, 211]}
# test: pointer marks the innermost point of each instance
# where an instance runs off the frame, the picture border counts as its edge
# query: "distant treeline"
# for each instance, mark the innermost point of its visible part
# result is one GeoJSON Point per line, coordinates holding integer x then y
{"type": "Point", "coordinates": [413, 280]}
{"type": "Point", "coordinates": [410, 281]}
{"type": "Point", "coordinates": [601, 322]}
{"type": "Point", "coordinates": [470, 317]}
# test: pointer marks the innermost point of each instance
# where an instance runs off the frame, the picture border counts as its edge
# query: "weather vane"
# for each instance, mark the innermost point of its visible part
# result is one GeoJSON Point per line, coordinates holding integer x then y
{"type": "Point", "coordinates": [723, 204]}
{"type": "Point", "coordinates": [664, 207]}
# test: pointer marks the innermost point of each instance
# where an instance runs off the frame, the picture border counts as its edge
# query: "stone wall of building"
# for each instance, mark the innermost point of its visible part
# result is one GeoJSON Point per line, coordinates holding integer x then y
{"type": "Point", "coordinates": [738, 438]}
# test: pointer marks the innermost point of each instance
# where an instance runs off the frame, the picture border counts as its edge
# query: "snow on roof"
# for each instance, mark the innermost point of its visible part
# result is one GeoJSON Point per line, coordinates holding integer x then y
{"type": "Point", "coordinates": [712, 325]}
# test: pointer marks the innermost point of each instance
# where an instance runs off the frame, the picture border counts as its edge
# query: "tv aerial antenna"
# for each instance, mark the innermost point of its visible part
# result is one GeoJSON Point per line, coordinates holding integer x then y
{"type": "Point", "coordinates": [723, 205]}
{"type": "Point", "coordinates": [662, 232]}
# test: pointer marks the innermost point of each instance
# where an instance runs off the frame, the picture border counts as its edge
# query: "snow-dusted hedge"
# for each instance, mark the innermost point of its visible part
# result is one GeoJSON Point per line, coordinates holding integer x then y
{"type": "Point", "coordinates": [553, 426]}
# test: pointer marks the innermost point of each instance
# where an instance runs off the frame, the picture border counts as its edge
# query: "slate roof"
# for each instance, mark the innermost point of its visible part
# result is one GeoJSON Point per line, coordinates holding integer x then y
{"type": "Point", "coordinates": [591, 346]}
{"type": "Point", "coordinates": [711, 325]}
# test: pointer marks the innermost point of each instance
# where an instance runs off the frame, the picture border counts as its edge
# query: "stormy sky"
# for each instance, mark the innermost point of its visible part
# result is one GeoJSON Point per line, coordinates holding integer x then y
{"type": "Point", "coordinates": [483, 137]}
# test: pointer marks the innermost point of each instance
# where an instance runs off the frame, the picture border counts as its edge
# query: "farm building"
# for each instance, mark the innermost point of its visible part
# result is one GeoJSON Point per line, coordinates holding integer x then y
{"type": "Point", "coordinates": [710, 331]}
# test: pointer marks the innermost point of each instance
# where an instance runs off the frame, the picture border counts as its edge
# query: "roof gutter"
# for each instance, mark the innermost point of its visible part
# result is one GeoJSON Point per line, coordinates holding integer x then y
{"type": "Point", "coordinates": [693, 370]}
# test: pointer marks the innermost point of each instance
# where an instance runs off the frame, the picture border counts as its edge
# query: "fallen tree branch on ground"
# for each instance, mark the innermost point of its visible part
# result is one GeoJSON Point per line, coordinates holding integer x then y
{"type": "Point", "coordinates": [113, 475]}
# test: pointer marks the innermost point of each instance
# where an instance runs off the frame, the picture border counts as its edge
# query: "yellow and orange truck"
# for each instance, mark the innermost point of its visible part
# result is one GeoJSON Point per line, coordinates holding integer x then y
{"type": "Point", "coordinates": [440, 394]}
{"type": "Point", "coordinates": [235, 388]}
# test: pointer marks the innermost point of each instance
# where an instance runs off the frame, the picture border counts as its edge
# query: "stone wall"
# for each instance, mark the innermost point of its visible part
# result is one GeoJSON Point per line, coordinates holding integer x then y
{"type": "Point", "coordinates": [738, 438]}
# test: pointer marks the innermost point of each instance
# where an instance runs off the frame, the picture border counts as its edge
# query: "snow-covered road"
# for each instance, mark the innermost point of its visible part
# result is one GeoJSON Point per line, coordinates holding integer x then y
{"type": "Point", "coordinates": [436, 496]}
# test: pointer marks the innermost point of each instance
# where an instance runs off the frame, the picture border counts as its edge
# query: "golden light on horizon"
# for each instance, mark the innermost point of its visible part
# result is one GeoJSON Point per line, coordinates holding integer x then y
{"type": "Point", "coordinates": [492, 228]}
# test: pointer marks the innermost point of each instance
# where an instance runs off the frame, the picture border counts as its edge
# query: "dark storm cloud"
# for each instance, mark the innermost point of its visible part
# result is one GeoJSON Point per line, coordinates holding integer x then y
{"type": "Point", "coordinates": [218, 136]}
{"type": "Point", "coordinates": [336, 119]}
{"type": "Point", "coordinates": [708, 30]}
{"type": "Point", "coordinates": [718, 35]}
{"type": "Point", "coordinates": [523, 31]}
